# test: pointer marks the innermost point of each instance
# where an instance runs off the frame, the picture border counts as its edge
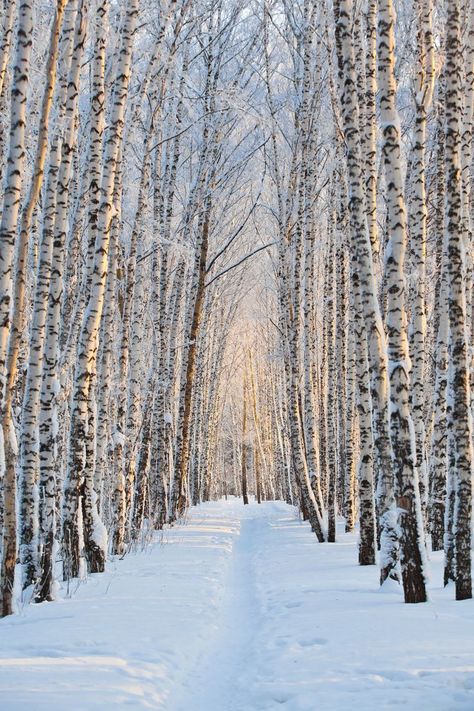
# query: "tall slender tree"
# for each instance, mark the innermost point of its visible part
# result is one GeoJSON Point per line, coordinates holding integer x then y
{"type": "Point", "coordinates": [412, 545]}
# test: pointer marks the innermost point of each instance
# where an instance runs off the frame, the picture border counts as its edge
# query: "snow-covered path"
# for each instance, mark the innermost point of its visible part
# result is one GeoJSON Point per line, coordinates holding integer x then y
{"type": "Point", "coordinates": [240, 610]}
{"type": "Point", "coordinates": [232, 648]}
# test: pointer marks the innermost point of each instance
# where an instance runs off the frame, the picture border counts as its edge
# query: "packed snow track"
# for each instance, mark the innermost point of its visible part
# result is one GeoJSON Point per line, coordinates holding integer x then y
{"type": "Point", "coordinates": [239, 609]}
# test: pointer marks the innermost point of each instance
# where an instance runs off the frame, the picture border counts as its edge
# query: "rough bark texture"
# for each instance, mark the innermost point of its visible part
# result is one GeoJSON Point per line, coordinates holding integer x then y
{"type": "Point", "coordinates": [412, 555]}
{"type": "Point", "coordinates": [460, 415]}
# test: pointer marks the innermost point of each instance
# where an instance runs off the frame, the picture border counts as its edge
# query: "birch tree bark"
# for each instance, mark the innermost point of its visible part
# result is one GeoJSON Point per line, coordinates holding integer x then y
{"type": "Point", "coordinates": [29, 445]}
{"type": "Point", "coordinates": [375, 334]}
{"type": "Point", "coordinates": [8, 234]}
{"type": "Point", "coordinates": [244, 455]}
{"type": "Point", "coordinates": [460, 416]}
{"type": "Point", "coordinates": [412, 553]}
{"type": "Point", "coordinates": [87, 350]}
{"type": "Point", "coordinates": [6, 43]}
{"type": "Point", "coordinates": [418, 214]}
{"type": "Point", "coordinates": [179, 494]}
{"type": "Point", "coordinates": [439, 430]}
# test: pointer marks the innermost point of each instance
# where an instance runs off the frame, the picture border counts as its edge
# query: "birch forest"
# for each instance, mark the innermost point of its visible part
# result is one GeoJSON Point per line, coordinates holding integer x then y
{"type": "Point", "coordinates": [236, 260]}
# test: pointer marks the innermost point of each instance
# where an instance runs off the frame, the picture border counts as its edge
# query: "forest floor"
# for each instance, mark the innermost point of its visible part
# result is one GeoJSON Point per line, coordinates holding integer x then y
{"type": "Point", "coordinates": [239, 609]}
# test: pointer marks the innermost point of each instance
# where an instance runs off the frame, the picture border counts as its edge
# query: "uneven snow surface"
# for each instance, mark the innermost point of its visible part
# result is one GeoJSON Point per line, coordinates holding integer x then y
{"type": "Point", "coordinates": [240, 609]}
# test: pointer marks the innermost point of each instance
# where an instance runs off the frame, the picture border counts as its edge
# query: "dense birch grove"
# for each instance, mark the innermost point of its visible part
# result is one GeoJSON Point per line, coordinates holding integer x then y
{"type": "Point", "coordinates": [235, 259]}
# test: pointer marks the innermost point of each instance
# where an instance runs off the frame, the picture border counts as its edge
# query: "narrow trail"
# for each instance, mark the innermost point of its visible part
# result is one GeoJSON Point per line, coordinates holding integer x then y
{"type": "Point", "coordinates": [223, 678]}
{"type": "Point", "coordinates": [239, 609]}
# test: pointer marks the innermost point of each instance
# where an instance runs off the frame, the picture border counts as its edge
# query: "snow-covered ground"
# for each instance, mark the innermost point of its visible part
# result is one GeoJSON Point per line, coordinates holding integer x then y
{"type": "Point", "coordinates": [240, 610]}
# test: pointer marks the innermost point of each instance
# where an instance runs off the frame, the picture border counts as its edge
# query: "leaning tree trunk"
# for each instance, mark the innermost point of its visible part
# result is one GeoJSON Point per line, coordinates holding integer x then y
{"type": "Point", "coordinates": [179, 495]}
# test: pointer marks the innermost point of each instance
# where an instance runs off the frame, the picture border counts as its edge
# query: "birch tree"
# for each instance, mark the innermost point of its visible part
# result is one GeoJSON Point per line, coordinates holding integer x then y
{"type": "Point", "coordinates": [460, 417]}
{"type": "Point", "coordinates": [412, 554]}
{"type": "Point", "coordinates": [362, 270]}
{"type": "Point", "coordinates": [418, 214]}
{"type": "Point", "coordinates": [8, 233]}
{"type": "Point", "coordinates": [87, 350]}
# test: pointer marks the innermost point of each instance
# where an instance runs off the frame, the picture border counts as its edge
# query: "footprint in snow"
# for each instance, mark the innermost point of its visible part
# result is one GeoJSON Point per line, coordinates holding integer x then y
{"type": "Point", "coordinates": [282, 641]}
{"type": "Point", "coordinates": [313, 642]}
{"type": "Point", "coordinates": [282, 698]}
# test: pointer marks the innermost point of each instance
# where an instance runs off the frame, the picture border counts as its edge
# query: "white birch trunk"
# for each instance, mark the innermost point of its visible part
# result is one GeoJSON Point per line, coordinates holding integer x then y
{"type": "Point", "coordinates": [8, 235]}
{"type": "Point", "coordinates": [87, 350]}
{"type": "Point", "coordinates": [412, 552]}
{"type": "Point", "coordinates": [460, 416]}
